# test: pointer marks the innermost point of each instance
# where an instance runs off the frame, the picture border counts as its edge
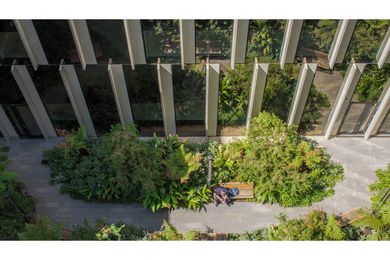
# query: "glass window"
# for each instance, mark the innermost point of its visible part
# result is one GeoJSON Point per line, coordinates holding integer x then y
{"type": "Point", "coordinates": [316, 40]}
{"type": "Point", "coordinates": [213, 39]}
{"type": "Point", "coordinates": [366, 40]}
{"type": "Point", "coordinates": [280, 89]}
{"type": "Point", "coordinates": [189, 96]}
{"type": "Point", "coordinates": [321, 99]}
{"type": "Point", "coordinates": [365, 100]}
{"type": "Point", "coordinates": [51, 89]}
{"type": "Point", "coordinates": [96, 86]}
{"type": "Point", "coordinates": [161, 40]}
{"type": "Point", "coordinates": [109, 41]}
{"type": "Point", "coordinates": [144, 95]}
{"type": "Point", "coordinates": [11, 46]}
{"type": "Point", "coordinates": [15, 106]}
{"type": "Point", "coordinates": [385, 127]}
{"type": "Point", "coordinates": [265, 39]}
{"type": "Point", "coordinates": [234, 89]}
{"type": "Point", "coordinates": [57, 41]}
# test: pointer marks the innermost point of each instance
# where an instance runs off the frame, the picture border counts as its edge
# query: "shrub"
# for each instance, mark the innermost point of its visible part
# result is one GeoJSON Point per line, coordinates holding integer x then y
{"type": "Point", "coordinates": [16, 206]}
{"type": "Point", "coordinates": [284, 168]}
{"type": "Point", "coordinates": [104, 231]}
{"type": "Point", "coordinates": [316, 225]}
{"type": "Point", "coordinates": [43, 229]}
{"type": "Point", "coordinates": [119, 167]}
{"type": "Point", "coordinates": [380, 187]}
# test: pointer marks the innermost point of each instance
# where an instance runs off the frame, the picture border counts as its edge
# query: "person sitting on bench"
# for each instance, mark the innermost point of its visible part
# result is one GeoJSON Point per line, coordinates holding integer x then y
{"type": "Point", "coordinates": [221, 195]}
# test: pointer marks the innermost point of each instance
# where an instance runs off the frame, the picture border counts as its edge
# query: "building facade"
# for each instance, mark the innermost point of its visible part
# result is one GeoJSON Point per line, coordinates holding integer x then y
{"type": "Point", "coordinates": [193, 77]}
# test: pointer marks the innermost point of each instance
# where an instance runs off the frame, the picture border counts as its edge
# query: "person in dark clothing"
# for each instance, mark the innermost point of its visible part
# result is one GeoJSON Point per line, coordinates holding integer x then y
{"type": "Point", "coordinates": [221, 195]}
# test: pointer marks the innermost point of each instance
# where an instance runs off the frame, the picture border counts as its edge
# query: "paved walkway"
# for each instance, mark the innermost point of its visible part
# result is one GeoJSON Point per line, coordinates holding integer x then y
{"type": "Point", "coordinates": [360, 159]}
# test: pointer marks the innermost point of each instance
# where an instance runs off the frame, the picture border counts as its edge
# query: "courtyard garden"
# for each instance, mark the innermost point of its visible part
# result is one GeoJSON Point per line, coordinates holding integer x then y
{"type": "Point", "coordinates": [169, 173]}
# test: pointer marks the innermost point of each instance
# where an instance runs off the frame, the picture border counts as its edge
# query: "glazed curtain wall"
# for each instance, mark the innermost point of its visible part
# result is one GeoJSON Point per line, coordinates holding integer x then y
{"type": "Point", "coordinates": [160, 41]}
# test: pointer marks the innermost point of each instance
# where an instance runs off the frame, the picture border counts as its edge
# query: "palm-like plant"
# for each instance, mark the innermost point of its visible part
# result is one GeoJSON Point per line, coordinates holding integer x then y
{"type": "Point", "coordinates": [378, 223]}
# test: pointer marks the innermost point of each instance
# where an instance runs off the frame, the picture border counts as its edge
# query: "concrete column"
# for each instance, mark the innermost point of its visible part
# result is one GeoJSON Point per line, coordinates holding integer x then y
{"type": "Point", "coordinates": [6, 126]}
{"type": "Point", "coordinates": [164, 72]}
{"type": "Point", "coordinates": [383, 56]}
{"type": "Point", "coordinates": [212, 83]}
{"type": "Point", "coordinates": [135, 42]}
{"type": "Point", "coordinates": [30, 94]}
{"type": "Point", "coordinates": [343, 99]}
{"type": "Point", "coordinates": [259, 79]}
{"type": "Point", "coordinates": [302, 90]}
{"type": "Point", "coordinates": [31, 42]}
{"type": "Point", "coordinates": [73, 88]}
{"type": "Point", "coordinates": [380, 113]}
{"type": "Point", "coordinates": [83, 42]}
{"type": "Point", "coordinates": [239, 41]}
{"type": "Point", "coordinates": [187, 41]}
{"type": "Point", "coordinates": [290, 42]}
{"type": "Point", "coordinates": [118, 84]}
{"type": "Point", "coordinates": [341, 41]}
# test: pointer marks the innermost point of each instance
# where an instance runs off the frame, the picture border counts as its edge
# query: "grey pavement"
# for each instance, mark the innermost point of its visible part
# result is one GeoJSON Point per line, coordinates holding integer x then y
{"type": "Point", "coordinates": [360, 159]}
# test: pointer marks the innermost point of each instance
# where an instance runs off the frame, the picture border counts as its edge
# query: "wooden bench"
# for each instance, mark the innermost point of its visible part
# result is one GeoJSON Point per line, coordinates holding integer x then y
{"type": "Point", "coordinates": [246, 189]}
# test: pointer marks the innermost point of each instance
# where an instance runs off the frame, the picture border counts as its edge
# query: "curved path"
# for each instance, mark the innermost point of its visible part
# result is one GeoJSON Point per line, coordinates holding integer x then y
{"type": "Point", "coordinates": [360, 159]}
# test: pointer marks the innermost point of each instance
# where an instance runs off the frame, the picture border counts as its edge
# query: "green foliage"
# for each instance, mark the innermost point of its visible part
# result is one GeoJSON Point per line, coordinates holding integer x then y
{"type": "Point", "coordinates": [16, 206]}
{"type": "Point", "coordinates": [377, 222]}
{"type": "Point", "coordinates": [192, 235]}
{"type": "Point", "coordinates": [43, 229]}
{"type": "Point", "coordinates": [256, 235]}
{"type": "Point", "coordinates": [371, 83]}
{"type": "Point", "coordinates": [380, 187]}
{"type": "Point", "coordinates": [234, 95]}
{"type": "Point", "coordinates": [168, 233]}
{"type": "Point", "coordinates": [119, 167]}
{"type": "Point", "coordinates": [366, 40]}
{"type": "Point", "coordinates": [104, 231]}
{"type": "Point", "coordinates": [284, 168]}
{"type": "Point", "coordinates": [315, 226]}
{"type": "Point", "coordinates": [265, 39]}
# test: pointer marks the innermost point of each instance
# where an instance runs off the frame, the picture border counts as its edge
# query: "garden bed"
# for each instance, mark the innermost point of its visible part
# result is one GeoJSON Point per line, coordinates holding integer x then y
{"type": "Point", "coordinates": [169, 173]}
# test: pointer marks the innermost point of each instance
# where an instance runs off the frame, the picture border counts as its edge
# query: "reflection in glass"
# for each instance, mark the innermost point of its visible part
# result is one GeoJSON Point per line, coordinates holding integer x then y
{"type": "Point", "coordinates": [265, 39]}
{"type": "Point", "coordinates": [57, 41]}
{"type": "Point", "coordinates": [11, 46]}
{"type": "Point", "coordinates": [109, 41]}
{"type": "Point", "coordinates": [280, 88]}
{"type": "Point", "coordinates": [189, 97]}
{"type": "Point", "coordinates": [234, 89]}
{"type": "Point", "coordinates": [316, 40]}
{"type": "Point", "coordinates": [51, 89]}
{"type": "Point", "coordinates": [99, 97]}
{"type": "Point", "coordinates": [213, 39]}
{"type": "Point", "coordinates": [365, 100]}
{"type": "Point", "coordinates": [321, 99]}
{"type": "Point", "coordinates": [366, 40]}
{"type": "Point", "coordinates": [15, 106]}
{"type": "Point", "coordinates": [144, 95]}
{"type": "Point", "coordinates": [385, 127]}
{"type": "Point", "coordinates": [161, 40]}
